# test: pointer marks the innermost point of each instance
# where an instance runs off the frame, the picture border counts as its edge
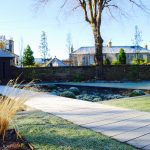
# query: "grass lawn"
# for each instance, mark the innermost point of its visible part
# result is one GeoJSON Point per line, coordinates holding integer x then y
{"type": "Point", "coordinates": [48, 132]}
{"type": "Point", "coordinates": [141, 103]}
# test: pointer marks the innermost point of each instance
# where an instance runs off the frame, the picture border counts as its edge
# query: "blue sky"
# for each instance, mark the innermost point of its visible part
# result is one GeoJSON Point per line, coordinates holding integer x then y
{"type": "Point", "coordinates": [23, 19]}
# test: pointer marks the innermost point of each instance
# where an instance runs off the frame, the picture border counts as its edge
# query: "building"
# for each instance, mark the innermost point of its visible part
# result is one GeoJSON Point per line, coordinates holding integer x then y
{"type": "Point", "coordinates": [67, 62]}
{"type": "Point", "coordinates": [55, 62]}
{"type": "Point", "coordinates": [7, 48]}
{"type": "Point", "coordinates": [6, 61]}
{"type": "Point", "coordinates": [41, 61]}
{"type": "Point", "coordinates": [85, 55]}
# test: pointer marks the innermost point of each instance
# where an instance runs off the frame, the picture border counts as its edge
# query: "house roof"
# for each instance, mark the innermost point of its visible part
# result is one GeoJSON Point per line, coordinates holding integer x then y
{"type": "Point", "coordinates": [56, 62]}
{"type": "Point", "coordinates": [5, 54]}
{"type": "Point", "coordinates": [112, 49]}
{"type": "Point", "coordinates": [41, 61]}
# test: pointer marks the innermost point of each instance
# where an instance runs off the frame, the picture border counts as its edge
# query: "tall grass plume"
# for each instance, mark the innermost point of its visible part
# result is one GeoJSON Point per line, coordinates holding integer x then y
{"type": "Point", "coordinates": [11, 100]}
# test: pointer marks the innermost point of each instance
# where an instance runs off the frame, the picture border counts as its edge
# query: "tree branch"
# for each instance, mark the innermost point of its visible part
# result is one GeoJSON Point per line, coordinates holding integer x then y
{"type": "Point", "coordinates": [84, 7]}
{"type": "Point", "coordinates": [94, 4]}
{"type": "Point", "coordinates": [91, 10]}
{"type": "Point", "coordinates": [99, 13]}
{"type": "Point", "coordinates": [140, 5]}
{"type": "Point", "coordinates": [64, 3]}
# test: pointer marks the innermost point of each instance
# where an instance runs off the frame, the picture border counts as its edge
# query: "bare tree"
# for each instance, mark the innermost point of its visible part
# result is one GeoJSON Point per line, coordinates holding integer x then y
{"type": "Point", "coordinates": [93, 10]}
{"type": "Point", "coordinates": [69, 42]}
{"type": "Point", "coordinates": [44, 47]}
{"type": "Point", "coordinates": [137, 37]}
{"type": "Point", "coordinates": [137, 41]}
{"type": "Point", "coordinates": [21, 52]}
{"type": "Point", "coordinates": [69, 46]}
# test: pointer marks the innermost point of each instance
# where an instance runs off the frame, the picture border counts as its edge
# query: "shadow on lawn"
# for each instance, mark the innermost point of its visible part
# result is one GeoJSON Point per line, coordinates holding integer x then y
{"type": "Point", "coordinates": [47, 132]}
{"type": "Point", "coordinates": [76, 142]}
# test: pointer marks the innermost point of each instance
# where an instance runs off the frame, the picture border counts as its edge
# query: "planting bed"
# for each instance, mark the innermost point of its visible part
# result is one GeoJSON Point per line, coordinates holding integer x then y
{"type": "Point", "coordinates": [13, 141]}
{"type": "Point", "coordinates": [93, 94]}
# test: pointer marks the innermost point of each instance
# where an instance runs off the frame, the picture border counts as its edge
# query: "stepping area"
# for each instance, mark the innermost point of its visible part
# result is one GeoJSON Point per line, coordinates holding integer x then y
{"type": "Point", "coordinates": [129, 126]}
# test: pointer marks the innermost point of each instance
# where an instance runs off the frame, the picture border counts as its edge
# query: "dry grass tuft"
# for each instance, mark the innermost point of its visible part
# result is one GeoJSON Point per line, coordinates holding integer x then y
{"type": "Point", "coordinates": [10, 102]}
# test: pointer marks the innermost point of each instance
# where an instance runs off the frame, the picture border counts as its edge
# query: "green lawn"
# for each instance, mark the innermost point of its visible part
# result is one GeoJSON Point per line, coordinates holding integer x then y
{"type": "Point", "coordinates": [48, 132]}
{"type": "Point", "coordinates": [141, 103]}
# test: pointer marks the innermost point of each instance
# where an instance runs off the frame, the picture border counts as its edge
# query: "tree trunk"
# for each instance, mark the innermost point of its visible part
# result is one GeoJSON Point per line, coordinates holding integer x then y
{"type": "Point", "coordinates": [98, 51]}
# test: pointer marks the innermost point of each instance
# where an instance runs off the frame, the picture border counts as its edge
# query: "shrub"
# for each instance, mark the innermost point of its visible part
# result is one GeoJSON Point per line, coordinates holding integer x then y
{"type": "Point", "coordinates": [75, 90]}
{"type": "Point", "coordinates": [68, 94]}
{"type": "Point", "coordinates": [97, 99]}
{"type": "Point", "coordinates": [115, 62]}
{"type": "Point", "coordinates": [87, 97]}
{"type": "Point", "coordinates": [106, 62]}
{"type": "Point", "coordinates": [136, 93]}
{"type": "Point", "coordinates": [122, 57]}
{"type": "Point", "coordinates": [139, 61]}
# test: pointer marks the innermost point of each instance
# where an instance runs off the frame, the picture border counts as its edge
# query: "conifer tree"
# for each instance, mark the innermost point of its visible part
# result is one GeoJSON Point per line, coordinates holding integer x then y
{"type": "Point", "coordinates": [28, 58]}
{"type": "Point", "coordinates": [122, 57]}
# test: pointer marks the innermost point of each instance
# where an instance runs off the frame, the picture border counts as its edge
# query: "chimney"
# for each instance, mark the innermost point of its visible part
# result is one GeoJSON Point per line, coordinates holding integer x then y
{"type": "Point", "coordinates": [146, 46]}
{"type": "Point", "coordinates": [110, 44]}
{"type": "Point", "coordinates": [11, 45]}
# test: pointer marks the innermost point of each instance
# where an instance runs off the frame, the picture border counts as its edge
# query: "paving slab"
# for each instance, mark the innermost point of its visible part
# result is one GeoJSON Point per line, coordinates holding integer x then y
{"type": "Point", "coordinates": [108, 120]}
{"type": "Point", "coordinates": [122, 126]}
{"type": "Point", "coordinates": [146, 147]}
{"type": "Point", "coordinates": [130, 135]}
{"type": "Point", "coordinates": [140, 142]}
{"type": "Point", "coordinates": [78, 119]}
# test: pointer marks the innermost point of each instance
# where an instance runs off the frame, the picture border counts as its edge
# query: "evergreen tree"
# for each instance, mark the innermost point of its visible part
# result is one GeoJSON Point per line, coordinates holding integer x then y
{"type": "Point", "coordinates": [122, 57]}
{"type": "Point", "coordinates": [28, 58]}
{"type": "Point", "coordinates": [44, 47]}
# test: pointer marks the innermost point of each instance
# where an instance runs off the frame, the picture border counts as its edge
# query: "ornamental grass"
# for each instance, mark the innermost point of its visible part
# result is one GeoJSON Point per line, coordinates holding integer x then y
{"type": "Point", "coordinates": [11, 101]}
